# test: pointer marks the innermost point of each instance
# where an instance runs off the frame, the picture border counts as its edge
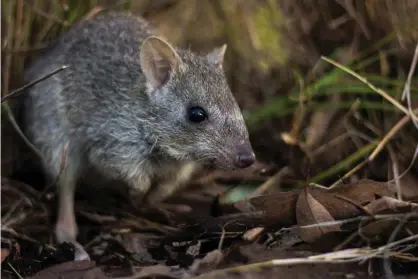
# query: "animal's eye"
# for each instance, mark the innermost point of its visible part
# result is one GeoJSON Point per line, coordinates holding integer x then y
{"type": "Point", "coordinates": [196, 114]}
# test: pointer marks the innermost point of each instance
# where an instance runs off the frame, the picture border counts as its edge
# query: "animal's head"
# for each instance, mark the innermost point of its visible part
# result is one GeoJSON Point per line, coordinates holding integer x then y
{"type": "Point", "coordinates": [195, 114]}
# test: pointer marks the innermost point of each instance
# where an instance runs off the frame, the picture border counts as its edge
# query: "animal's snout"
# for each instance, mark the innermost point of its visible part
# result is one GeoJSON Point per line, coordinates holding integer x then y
{"type": "Point", "coordinates": [245, 157]}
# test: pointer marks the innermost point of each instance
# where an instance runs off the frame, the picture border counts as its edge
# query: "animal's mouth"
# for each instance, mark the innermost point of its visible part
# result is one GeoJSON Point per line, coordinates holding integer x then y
{"type": "Point", "coordinates": [223, 165]}
{"type": "Point", "coordinates": [210, 164]}
{"type": "Point", "coordinates": [214, 165]}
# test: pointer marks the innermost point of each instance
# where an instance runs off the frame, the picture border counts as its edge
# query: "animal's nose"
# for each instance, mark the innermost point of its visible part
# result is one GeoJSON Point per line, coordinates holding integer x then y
{"type": "Point", "coordinates": [245, 158]}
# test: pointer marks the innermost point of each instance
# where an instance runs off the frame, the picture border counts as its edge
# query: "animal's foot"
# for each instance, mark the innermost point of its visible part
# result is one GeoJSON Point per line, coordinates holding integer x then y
{"type": "Point", "coordinates": [65, 233]}
{"type": "Point", "coordinates": [80, 254]}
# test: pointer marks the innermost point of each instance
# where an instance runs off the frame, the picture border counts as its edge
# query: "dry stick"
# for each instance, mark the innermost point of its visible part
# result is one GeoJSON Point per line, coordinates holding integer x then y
{"type": "Point", "coordinates": [355, 204]}
{"type": "Point", "coordinates": [7, 219]}
{"type": "Point", "coordinates": [400, 124]}
{"type": "Point", "coordinates": [407, 93]}
{"type": "Point", "coordinates": [386, 262]}
{"type": "Point", "coordinates": [351, 220]}
{"type": "Point", "coordinates": [271, 263]}
{"type": "Point", "coordinates": [395, 171]}
{"type": "Point", "coordinates": [388, 136]}
{"type": "Point", "coordinates": [31, 146]}
{"type": "Point", "coordinates": [26, 49]}
{"type": "Point", "coordinates": [374, 88]}
{"type": "Point", "coordinates": [19, 131]}
{"type": "Point", "coordinates": [46, 15]}
{"type": "Point", "coordinates": [15, 271]}
{"type": "Point", "coordinates": [6, 67]}
{"type": "Point", "coordinates": [27, 238]}
{"type": "Point", "coordinates": [409, 167]}
{"type": "Point", "coordinates": [10, 113]}
{"type": "Point", "coordinates": [377, 150]}
{"type": "Point", "coordinates": [273, 181]}
{"type": "Point", "coordinates": [32, 83]}
{"type": "Point", "coordinates": [345, 256]}
{"type": "Point", "coordinates": [407, 90]}
{"type": "Point", "coordinates": [19, 202]}
{"type": "Point", "coordinates": [382, 249]}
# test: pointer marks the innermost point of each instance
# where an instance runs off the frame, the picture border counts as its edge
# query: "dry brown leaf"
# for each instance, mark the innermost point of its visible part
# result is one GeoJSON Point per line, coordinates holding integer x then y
{"type": "Point", "coordinates": [379, 228]}
{"type": "Point", "coordinates": [73, 269]}
{"type": "Point", "coordinates": [388, 204]}
{"type": "Point", "coordinates": [252, 234]}
{"type": "Point", "coordinates": [279, 209]}
{"type": "Point", "coordinates": [4, 253]}
{"type": "Point", "coordinates": [194, 250]}
{"type": "Point", "coordinates": [309, 211]}
{"type": "Point", "coordinates": [155, 271]}
{"type": "Point", "coordinates": [408, 186]}
{"type": "Point", "coordinates": [210, 261]}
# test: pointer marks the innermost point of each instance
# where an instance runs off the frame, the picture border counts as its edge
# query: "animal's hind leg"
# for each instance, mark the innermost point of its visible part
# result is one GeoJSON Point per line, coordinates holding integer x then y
{"type": "Point", "coordinates": [66, 227]}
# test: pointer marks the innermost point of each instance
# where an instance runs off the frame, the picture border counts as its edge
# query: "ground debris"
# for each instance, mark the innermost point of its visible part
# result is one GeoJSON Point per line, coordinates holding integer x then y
{"type": "Point", "coordinates": [261, 229]}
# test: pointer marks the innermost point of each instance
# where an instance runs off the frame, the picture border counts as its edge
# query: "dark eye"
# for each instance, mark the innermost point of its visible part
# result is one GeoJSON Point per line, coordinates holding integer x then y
{"type": "Point", "coordinates": [196, 114]}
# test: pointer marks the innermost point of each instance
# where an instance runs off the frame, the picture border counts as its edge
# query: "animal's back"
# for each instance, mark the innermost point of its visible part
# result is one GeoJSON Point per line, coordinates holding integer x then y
{"type": "Point", "coordinates": [93, 93]}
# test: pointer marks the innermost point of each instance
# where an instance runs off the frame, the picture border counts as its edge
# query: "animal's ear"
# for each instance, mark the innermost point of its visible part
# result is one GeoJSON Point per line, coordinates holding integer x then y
{"type": "Point", "coordinates": [159, 61]}
{"type": "Point", "coordinates": [216, 56]}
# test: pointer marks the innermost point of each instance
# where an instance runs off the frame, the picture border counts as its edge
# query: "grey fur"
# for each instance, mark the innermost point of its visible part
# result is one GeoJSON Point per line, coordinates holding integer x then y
{"type": "Point", "coordinates": [113, 123]}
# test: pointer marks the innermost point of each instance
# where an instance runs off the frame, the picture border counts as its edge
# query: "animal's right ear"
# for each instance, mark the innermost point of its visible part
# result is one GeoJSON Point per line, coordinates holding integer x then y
{"type": "Point", "coordinates": [159, 61]}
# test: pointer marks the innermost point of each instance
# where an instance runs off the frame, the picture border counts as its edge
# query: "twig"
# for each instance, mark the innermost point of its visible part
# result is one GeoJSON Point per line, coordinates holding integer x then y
{"type": "Point", "coordinates": [407, 90]}
{"type": "Point", "coordinates": [395, 171]}
{"type": "Point", "coordinates": [14, 207]}
{"type": "Point", "coordinates": [40, 195]}
{"type": "Point", "coordinates": [386, 262]}
{"type": "Point", "coordinates": [355, 204]}
{"type": "Point", "coordinates": [338, 257]}
{"type": "Point", "coordinates": [351, 220]}
{"type": "Point", "coordinates": [374, 88]}
{"type": "Point", "coordinates": [382, 249]}
{"type": "Point", "coordinates": [27, 49]}
{"type": "Point", "coordinates": [377, 150]}
{"type": "Point", "coordinates": [271, 263]}
{"type": "Point", "coordinates": [388, 136]}
{"type": "Point", "coordinates": [46, 15]}
{"type": "Point", "coordinates": [348, 161]}
{"type": "Point", "coordinates": [273, 181]}
{"type": "Point", "coordinates": [15, 271]}
{"type": "Point", "coordinates": [32, 83]}
{"type": "Point", "coordinates": [410, 74]}
{"type": "Point", "coordinates": [221, 241]}
{"type": "Point", "coordinates": [19, 131]}
{"type": "Point", "coordinates": [27, 238]}
{"type": "Point", "coordinates": [414, 158]}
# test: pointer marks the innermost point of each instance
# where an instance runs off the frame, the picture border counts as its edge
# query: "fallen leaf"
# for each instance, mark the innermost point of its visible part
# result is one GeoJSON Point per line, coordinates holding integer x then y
{"type": "Point", "coordinates": [388, 204]}
{"type": "Point", "coordinates": [408, 186]}
{"type": "Point", "coordinates": [4, 253]}
{"type": "Point", "coordinates": [208, 262]}
{"type": "Point", "coordinates": [252, 234]}
{"type": "Point", "coordinates": [154, 271]}
{"type": "Point", "coordinates": [378, 230]}
{"type": "Point", "coordinates": [309, 211]}
{"type": "Point", "coordinates": [279, 209]}
{"type": "Point", "coordinates": [73, 269]}
{"type": "Point", "coordinates": [194, 250]}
